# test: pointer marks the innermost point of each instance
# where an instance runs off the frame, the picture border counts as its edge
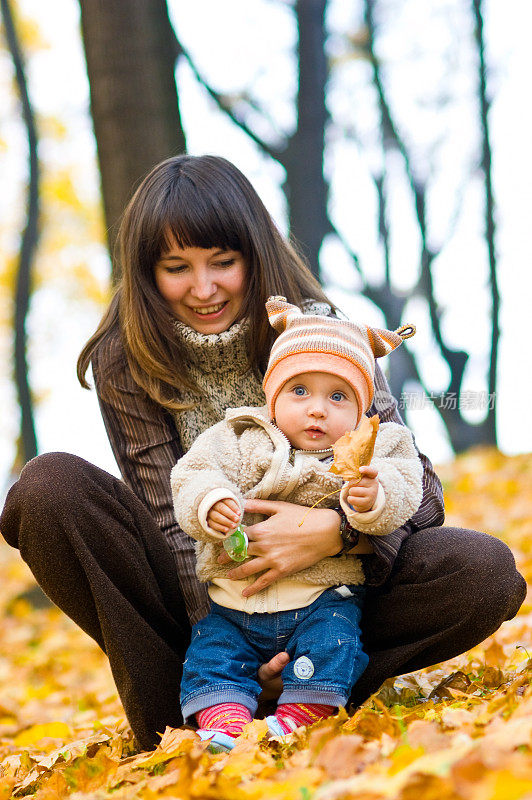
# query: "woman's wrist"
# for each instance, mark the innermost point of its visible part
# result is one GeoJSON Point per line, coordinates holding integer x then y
{"type": "Point", "coordinates": [349, 536]}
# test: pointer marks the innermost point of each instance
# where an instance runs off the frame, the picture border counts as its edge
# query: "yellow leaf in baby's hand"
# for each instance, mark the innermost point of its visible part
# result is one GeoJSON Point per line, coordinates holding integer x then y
{"type": "Point", "coordinates": [355, 449]}
{"type": "Point", "coordinates": [51, 730]}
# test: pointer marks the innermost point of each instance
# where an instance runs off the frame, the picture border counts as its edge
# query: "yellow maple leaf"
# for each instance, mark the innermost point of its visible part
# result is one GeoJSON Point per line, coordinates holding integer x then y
{"type": "Point", "coordinates": [49, 730]}
{"type": "Point", "coordinates": [355, 449]}
{"type": "Point", "coordinates": [403, 756]}
{"type": "Point", "coordinates": [507, 786]}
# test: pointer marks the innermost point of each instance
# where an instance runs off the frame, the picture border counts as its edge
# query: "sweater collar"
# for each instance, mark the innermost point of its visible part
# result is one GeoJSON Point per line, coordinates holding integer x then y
{"type": "Point", "coordinates": [216, 352]}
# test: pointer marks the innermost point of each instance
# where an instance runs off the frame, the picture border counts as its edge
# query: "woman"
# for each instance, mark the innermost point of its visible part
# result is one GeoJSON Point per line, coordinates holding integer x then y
{"type": "Point", "coordinates": [186, 336]}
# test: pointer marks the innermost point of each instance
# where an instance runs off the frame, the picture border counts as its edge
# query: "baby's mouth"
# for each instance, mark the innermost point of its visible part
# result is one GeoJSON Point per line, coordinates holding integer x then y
{"type": "Point", "coordinates": [314, 431]}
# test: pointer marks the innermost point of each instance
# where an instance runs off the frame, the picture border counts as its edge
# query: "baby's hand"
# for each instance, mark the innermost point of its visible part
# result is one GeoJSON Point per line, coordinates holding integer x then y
{"type": "Point", "coordinates": [361, 496]}
{"type": "Point", "coordinates": [224, 515]}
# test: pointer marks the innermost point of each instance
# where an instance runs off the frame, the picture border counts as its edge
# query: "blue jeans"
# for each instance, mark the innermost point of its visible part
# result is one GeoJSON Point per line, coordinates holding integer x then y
{"type": "Point", "coordinates": [322, 639]}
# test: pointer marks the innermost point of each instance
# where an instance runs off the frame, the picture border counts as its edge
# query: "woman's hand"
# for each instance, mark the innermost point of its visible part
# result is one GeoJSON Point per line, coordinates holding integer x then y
{"type": "Point", "coordinates": [270, 676]}
{"type": "Point", "coordinates": [281, 546]}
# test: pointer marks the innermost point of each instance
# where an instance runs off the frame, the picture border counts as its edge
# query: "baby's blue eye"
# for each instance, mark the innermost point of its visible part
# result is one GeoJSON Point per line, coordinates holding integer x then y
{"type": "Point", "coordinates": [299, 390]}
{"type": "Point", "coordinates": [337, 396]}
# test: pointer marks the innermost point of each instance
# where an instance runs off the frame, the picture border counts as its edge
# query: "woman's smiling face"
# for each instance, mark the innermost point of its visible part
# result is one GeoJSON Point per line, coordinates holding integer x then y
{"type": "Point", "coordinates": [205, 288]}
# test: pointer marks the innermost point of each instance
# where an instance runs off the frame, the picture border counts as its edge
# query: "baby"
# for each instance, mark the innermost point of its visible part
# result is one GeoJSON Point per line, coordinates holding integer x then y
{"type": "Point", "coordinates": [318, 384]}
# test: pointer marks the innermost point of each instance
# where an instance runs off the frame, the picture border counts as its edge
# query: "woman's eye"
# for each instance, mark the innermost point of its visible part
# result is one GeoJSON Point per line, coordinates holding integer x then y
{"type": "Point", "coordinates": [299, 390]}
{"type": "Point", "coordinates": [227, 262]}
{"type": "Point", "coordinates": [337, 396]}
{"type": "Point", "coordinates": [174, 269]}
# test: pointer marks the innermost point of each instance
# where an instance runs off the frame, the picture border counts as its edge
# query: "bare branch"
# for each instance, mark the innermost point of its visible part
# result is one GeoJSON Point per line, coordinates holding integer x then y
{"type": "Point", "coordinates": [225, 105]}
{"type": "Point", "coordinates": [461, 433]}
{"type": "Point", "coordinates": [391, 135]}
{"type": "Point", "coordinates": [350, 252]}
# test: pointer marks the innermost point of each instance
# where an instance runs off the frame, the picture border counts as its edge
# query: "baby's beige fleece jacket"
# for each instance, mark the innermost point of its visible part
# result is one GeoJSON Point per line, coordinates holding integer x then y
{"type": "Point", "coordinates": [247, 456]}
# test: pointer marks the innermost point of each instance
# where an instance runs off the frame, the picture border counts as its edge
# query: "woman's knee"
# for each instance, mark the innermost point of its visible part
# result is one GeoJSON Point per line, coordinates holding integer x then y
{"type": "Point", "coordinates": [51, 477]}
{"type": "Point", "coordinates": [482, 565]}
{"type": "Point", "coordinates": [46, 486]}
{"type": "Point", "coordinates": [495, 576]}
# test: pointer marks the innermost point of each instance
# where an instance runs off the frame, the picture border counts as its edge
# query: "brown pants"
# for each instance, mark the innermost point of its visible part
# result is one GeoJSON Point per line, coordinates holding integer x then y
{"type": "Point", "coordinates": [98, 554]}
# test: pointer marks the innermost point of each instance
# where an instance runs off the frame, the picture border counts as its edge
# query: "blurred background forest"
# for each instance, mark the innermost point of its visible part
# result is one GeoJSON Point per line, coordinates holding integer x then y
{"type": "Point", "coordinates": [391, 138]}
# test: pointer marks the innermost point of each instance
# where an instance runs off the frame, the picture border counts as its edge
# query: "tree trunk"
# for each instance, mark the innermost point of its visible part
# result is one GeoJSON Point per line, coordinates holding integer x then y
{"type": "Point", "coordinates": [27, 443]}
{"type": "Point", "coordinates": [305, 187]}
{"type": "Point", "coordinates": [490, 424]}
{"type": "Point", "coordinates": [130, 50]}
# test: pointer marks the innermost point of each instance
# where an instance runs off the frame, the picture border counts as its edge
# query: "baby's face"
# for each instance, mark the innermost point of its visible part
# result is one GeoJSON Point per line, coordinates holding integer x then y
{"type": "Point", "coordinates": [314, 409]}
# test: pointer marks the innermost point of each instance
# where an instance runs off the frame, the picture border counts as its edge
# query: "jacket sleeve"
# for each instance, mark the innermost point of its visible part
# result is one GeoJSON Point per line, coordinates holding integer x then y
{"type": "Point", "coordinates": [142, 435]}
{"type": "Point", "coordinates": [204, 475]}
{"type": "Point", "coordinates": [400, 477]}
{"type": "Point", "coordinates": [430, 513]}
{"type": "Point", "coordinates": [146, 445]}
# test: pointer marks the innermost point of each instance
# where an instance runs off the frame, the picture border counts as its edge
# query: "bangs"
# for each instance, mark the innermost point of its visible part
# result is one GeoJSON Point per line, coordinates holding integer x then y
{"type": "Point", "coordinates": [197, 218]}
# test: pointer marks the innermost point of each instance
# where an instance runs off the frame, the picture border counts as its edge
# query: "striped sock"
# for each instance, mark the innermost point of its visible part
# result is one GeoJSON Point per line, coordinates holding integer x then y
{"type": "Point", "coordinates": [291, 715]}
{"type": "Point", "coordinates": [227, 717]}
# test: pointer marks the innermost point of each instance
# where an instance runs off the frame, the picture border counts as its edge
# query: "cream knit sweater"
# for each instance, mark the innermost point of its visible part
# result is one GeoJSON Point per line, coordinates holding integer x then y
{"type": "Point", "coordinates": [246, 456]}
{"type": "Point", "coordinates": [219, 364]}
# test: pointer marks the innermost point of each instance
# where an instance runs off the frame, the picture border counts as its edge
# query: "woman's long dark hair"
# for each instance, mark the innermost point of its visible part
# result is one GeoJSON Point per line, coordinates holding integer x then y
{"type": "Point", "coordinates": [194, 201]}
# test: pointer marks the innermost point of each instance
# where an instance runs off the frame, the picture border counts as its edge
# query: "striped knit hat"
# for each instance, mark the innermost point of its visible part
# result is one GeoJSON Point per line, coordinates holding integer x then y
{"type": "Point", "coordinates": [311, 343]}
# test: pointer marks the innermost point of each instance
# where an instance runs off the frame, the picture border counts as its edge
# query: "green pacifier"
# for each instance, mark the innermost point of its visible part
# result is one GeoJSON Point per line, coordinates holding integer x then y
{"type": "Point", "coordinates": [236, 545]}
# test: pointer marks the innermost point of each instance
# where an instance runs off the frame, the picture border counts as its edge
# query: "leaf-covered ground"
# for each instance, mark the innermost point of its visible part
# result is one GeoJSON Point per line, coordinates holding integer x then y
{"type": "Point", "coordinates": [460, 730]}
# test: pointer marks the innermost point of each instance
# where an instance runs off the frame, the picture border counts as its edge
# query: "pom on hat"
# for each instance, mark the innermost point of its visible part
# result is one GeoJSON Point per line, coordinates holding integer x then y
{"type": "Point", "coordinates": [312, 343]}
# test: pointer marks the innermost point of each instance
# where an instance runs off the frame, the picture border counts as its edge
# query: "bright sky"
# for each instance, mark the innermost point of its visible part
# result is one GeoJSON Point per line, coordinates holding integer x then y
{"type": "Point", "coordinates": [223, 39]}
